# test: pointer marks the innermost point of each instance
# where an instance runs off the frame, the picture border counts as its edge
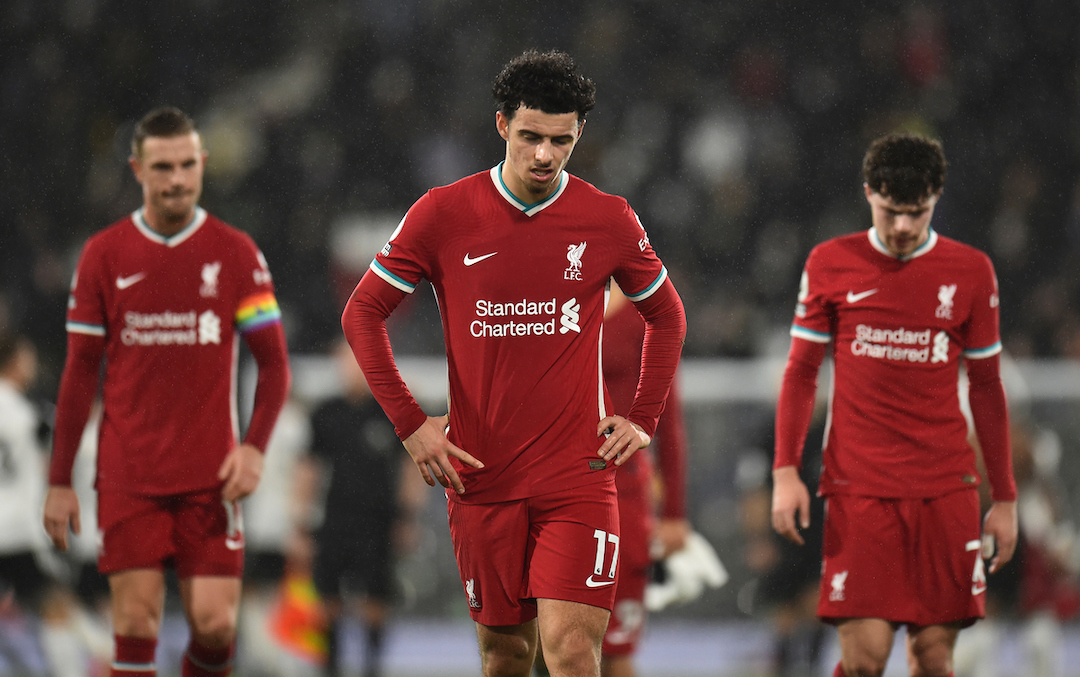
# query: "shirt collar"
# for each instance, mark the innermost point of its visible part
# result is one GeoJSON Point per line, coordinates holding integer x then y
{"type": "Point", "coordinates": [877, 244]}
{"type": "Point", "coordinates": [527, 209]}
{"type": "Point", "coordinates": [139, 219]}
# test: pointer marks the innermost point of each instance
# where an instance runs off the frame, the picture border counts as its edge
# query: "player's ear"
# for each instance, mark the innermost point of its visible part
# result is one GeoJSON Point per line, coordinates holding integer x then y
{"type": "Point", "coordinates": [867, 191]}
{"type": "Point", "coordinates": [136, 167]}
{"type": "Point", "coordinates": [580, 127]}
{"type": "Point", "coordinates": [502, 124]}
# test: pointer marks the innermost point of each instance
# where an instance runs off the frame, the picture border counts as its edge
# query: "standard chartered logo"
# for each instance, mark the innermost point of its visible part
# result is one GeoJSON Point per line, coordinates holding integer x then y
{"type": "Point", "coordinates": [171, 328]}
{"type": "Point", "coordinates": [209, 328]}
{"type": "Point", "coordinates": [569, 319]}
{"type": "Point", "coordinates": [900, 345]}
{"type": "Point", "coordinates": [524, 318]}
{"type": "Point", "coordinates": [941, 347]}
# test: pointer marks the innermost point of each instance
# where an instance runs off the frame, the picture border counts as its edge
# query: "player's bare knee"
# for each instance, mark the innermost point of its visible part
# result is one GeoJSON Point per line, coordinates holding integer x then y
{"type": "Point", "coordinates": [135, 617]}
{"type": "Point", "coordinates": [935, 661]}
{"type": "Point", "coordinates": [573, 653]}
{"type": "Point", "coordinates": [213, 627]}
{"type": "Point", "coordinates": [864, 665]}
{"type": "Point", "coordinates": [506, 655]}
{"type": "Point", "coordinates": [506, 660]}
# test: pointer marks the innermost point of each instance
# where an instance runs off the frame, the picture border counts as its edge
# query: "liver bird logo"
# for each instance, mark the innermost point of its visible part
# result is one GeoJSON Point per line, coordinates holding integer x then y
{"type": "Point", "coordinates": [573, 255]}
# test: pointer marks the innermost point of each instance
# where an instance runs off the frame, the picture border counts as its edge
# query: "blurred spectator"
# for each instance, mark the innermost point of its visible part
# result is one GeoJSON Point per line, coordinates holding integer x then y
{"type": "Point", "coordinates": [784, 587]}
{"type": "Point", "coordinates": [276, 547]}
{"type": "Point", "coordinates": [30, 574]}
{"type": "Point", "coordinates": [366, 510]}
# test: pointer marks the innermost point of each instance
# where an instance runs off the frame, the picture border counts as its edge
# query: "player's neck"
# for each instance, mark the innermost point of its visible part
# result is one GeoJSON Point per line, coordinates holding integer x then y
{"type": "Point", "coordinates": [165, 225]}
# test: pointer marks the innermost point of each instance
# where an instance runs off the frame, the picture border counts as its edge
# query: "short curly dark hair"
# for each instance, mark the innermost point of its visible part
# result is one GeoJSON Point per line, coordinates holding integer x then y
{"type": "Point", "coordinates": [907, 168]}
{"type": "Point", "coordinates": [161, 122]}
{"type": "Point", "coordinates": [546, 81]}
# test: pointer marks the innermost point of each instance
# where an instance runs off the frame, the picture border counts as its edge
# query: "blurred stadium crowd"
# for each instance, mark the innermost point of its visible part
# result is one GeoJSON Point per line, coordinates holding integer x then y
{"type": "Point", "coordinates": [735, 129]}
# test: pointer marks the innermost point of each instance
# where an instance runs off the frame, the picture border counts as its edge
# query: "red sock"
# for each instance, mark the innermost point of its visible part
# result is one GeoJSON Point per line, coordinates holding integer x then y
{"type": "Point", "coordinates": [203, 661]}
{"type": "Point", "coordinates": [134, 657]}
{"type": "Point", "coordinates": [839, 671]}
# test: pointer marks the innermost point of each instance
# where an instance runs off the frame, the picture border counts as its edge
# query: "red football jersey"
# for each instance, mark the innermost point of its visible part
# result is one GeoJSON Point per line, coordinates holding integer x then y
{"type": "Point", "coordinates": [169, 309]}
{"type": "Point", "coordinates": [521, 290]}
{"type": "Point", "coordinates": [898, 329]}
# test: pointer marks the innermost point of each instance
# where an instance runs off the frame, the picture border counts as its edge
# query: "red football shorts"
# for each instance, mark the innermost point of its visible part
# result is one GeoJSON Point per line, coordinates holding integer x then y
{"type": "Point", "coordinates": [198, 534]}
{"type": "Point", "coordinates": [636, 524]}
{"type": "Point", "coordinates": [563, 546]}
{"type": "Point", "coordinates": [913, 561]}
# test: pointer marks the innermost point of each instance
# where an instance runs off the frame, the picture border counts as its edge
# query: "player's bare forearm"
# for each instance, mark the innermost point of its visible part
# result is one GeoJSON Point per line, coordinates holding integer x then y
{"type": "Point", "coordinates": [241, 472]}
{"type": "Point", "coordinates": [1001, 523]}
{"type": "Point", "coordinates": [61, 512]}
{"type": "Point", "coordinates": [431, 451]}
{"type": "Point", "coordinates": [623, 439]}
{"type": "Point", "coordinates": [791, 501]}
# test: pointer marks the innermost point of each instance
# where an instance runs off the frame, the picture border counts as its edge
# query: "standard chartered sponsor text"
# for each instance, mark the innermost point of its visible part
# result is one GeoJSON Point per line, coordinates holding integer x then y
{"type": "Point", "coordinates": [160, 329]}
{"type": "Point", "coordinates": [537, 318]}
{"type": "Point", "coordinates": [901, 345]}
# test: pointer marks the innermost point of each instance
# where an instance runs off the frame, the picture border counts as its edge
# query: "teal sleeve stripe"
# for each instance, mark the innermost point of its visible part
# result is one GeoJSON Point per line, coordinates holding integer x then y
{"type": "Point", "coordinates": [810, 334]}
{"type": "Point", "coordinates": [82, 328]}
{"type": "Point", "coordinates": [392, 279]}
{"type": "Point", "coordinates": [980, 353]}
{"type": "Point", "coordinates": [651, 289]}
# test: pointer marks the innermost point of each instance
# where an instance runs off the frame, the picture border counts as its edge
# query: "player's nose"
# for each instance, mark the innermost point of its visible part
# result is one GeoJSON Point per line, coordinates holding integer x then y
{"type": "Point", "coordinates": [543, 152]}
{"type": "Point", "coordinates": [904, 223]}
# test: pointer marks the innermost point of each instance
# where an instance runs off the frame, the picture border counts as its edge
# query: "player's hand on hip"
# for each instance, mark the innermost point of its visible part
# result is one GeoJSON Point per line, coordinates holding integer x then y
{"type": "Point", "coordinates": [241, 472]}
{"type": "Point", "coordinates": [431, 451]}
{"type": "Point", "coordinates": [61, 511]}
{"type": "Point", "coordinates": [1001, 524]}
{"type": "Point", "coordinates": [790, 500]}
{"type": "Point", "coordinates": [623, 439]}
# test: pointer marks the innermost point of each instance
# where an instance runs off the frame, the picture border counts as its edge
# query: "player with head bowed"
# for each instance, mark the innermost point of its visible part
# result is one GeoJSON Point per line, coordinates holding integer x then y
{"type": "Point", "coordinates": [520, 257]}
{"type": "Point", "coordinates": [901, 307]}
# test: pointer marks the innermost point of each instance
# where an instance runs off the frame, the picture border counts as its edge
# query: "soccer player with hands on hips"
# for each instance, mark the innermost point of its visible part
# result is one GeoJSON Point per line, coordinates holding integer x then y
{"type": "Point", "coordinates": [520, 257]}
{"type": "Point", "coordinates": [162, 295]}
{"type": "Point", "coordinates": [900, 306]}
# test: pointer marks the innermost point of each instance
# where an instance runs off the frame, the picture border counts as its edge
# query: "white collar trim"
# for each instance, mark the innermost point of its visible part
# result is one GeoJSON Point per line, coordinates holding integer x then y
{"type": "Point", "coordinates": [925, 247]}
{"type": "Point", "coordinates": [528, 209]}
{"type": "Point", "coordinates": [186, 232]}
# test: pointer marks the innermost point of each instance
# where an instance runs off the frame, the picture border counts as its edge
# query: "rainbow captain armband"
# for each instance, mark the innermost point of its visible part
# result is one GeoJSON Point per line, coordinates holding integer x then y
{"type": "Point", "coordinates": [257, 311]}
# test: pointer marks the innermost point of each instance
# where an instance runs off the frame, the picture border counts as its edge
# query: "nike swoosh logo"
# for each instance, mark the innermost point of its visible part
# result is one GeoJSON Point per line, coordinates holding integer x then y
{"type": "Point", "coordinates": [597, 584]}
{"type": "Point", "coordinates": [125, 282]}
{"type": "Point", "coordinates": [468, 260]}
{"type": "Point", "coordinates": [852, 297]}
{"type": "Point", "coordinates": [976, 590]}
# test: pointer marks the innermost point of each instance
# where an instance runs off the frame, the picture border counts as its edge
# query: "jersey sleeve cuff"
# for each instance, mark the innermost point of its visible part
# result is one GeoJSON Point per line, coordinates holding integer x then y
{"type": "Point", "coordinates": [391, 279]}
{"type": "Point", "coordinates": [651, 289]}
{"type": "Point", "coordinates": [84, 328]}
{"type": "Point", "coordinates": [809, 334]}
{"type": "Point", "coordinates": [983, 353]}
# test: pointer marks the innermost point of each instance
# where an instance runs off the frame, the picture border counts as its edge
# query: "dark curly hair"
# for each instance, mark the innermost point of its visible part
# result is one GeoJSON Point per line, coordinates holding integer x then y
{"type": "Point", "coordinates": [161, 122]}
{"type": "Point", "coordinates": [906, 168]}
{"type": "Point", "coordinates": [547, 81]}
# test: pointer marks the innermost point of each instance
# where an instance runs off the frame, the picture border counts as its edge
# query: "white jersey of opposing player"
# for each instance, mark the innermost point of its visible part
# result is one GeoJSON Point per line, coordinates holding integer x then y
{"type": "Point", "coordinates": [22, 474]}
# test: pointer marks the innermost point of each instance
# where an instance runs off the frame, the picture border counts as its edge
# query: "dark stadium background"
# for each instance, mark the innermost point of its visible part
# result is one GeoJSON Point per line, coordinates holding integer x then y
{"type": "Point", "coordinates": [734, 128]}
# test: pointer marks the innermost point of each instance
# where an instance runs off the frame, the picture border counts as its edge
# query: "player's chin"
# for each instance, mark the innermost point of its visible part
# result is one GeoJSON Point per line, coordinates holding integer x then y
{"type": "Point", "coordinates": [176, 208]}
